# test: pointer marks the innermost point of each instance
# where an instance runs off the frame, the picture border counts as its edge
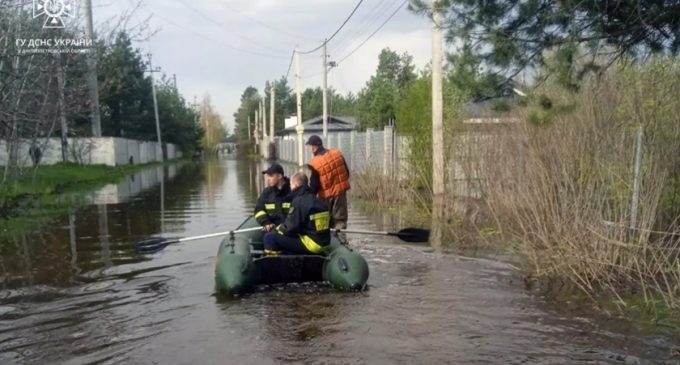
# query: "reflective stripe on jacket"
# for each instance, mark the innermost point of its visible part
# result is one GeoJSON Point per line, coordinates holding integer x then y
{"type": "Point", "coordinates": [273, 204]}
{"type": "Point", "coordinates": [308, 219]}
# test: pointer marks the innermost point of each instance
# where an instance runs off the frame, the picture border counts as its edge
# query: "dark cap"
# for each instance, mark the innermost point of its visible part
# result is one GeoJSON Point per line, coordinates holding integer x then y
{"type": "Point", "coordinates": [314, 140]}
{"type": "Point", "coordinates": [274, 169]}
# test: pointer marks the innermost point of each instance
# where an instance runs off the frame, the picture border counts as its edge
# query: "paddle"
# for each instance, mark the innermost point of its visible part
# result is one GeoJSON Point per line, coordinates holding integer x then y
{"type": "Point", "coordinates": [406, 234]}
{"type": "Point", "coordinates": [156, 244]}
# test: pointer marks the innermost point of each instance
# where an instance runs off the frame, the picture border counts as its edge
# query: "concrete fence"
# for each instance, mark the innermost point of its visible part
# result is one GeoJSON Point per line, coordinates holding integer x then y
{"type": "Point", "coordinates": [110, 151]}
{"type": "Point", "coordinates": [382, 151]}
{"type": "Point", "coordinates": [387, 152]}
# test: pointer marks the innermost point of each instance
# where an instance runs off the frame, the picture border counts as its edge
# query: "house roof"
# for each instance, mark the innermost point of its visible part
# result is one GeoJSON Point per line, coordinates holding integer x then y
{"type": "Point", "coordinates": [335, 124]}
{"type": "Point", "coordinates": [491, 108]}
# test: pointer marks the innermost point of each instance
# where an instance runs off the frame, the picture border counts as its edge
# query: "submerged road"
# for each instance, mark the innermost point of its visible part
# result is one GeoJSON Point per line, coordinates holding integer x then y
{"type": "Point", "coordinates": [75, 292]}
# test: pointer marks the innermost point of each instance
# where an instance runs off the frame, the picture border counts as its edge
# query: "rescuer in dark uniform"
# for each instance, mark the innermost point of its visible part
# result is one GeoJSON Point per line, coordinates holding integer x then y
{"type": "Point", "coordinates": [274, 202]}
{"type": "Point", "coordinates": [306, 229]}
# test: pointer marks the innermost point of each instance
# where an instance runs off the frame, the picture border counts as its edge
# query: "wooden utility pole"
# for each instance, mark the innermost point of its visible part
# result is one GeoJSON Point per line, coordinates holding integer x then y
{"type": "Point", "coordinates": [265, 138]}
{"type": "Point", "coordinates": [438, 172]}
{"type": "Point", "coordinates": [155, 107]}
{"type": "Point", "coordinates": [324, 64]}
{"type": "Point", "coordinates": [249, 134]}
{"type": "Point", "coordinates": [257, 131]}
{"type": "Point", "coordinates": [263, 116]}
{"type": "Point", "coordinates": [93, 86]}
{"type": "Point", "coordinates": [300, 129]}
{"type": "Point", "coordinates": [272, 109]}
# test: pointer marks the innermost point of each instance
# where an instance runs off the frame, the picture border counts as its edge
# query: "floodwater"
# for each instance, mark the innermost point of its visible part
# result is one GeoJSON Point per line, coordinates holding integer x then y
{"type": "Point", "coordinates": [77, 293]}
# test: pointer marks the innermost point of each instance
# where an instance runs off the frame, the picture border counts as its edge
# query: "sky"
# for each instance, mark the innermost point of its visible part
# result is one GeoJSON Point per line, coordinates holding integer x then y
{"type": "Point", "coordinates": [220, 47]}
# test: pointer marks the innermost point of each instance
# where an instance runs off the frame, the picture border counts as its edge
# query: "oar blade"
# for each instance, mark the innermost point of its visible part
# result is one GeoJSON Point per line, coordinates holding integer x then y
{"type": "Point", "coordinates": [153, 245]}
{"type": "Point", "coordinates": [414, 235]}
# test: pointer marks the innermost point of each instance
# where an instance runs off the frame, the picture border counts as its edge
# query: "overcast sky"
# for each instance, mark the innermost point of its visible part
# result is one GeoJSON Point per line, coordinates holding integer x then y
{"type": "Point", "coordinates": [220, 47]}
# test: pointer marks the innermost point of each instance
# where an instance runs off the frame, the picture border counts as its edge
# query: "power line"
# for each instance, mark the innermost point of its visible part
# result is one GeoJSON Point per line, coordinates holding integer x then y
{"type": "Point", "coordinates": [268, 26]}
{"type": "Point", "coordinates": [337, 31]}
{"type": "Point", "coordinates": [374, 32]}
{"type": "Point", "coordinates": [277, 50]}
{"type": "Point", "coordinates": [290, 64]}
{"type": "Point", "coordinates": [226, 45]}
{"type": "Point", "coordinates": [365, 24]}
{"type": "Point", "coordinates": [216, 41]}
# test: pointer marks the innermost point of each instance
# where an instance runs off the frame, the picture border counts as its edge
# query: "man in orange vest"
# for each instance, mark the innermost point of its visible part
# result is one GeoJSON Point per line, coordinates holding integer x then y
{"type": "Point", "coordinates": [329, 180]}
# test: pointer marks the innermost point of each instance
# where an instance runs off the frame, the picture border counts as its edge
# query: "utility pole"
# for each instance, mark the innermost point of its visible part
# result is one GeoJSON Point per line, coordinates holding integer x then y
{"type": "Point", "coordinates": [93, 86]}
{"type": "Point", "coordinates": [299, 128]}
{"type": "Point", "coordinates": [249, 135]}
{"type": "Point", "coordinates": [324, 64]}
{"type": "Point", "coordinates": [257, 132]}
{"type": "Point", "coordinates": [263, 116]}
{"type": "Point", "coordinates": [438, 172]}
{"type": "Point", "coordinates": [272, 109]}
{"type": "Point", "coordinates": [265, 137]}
{"type": "Point", "coordinates": [155, 105]}
{"type": "Point", "coordinates": [174, 81]}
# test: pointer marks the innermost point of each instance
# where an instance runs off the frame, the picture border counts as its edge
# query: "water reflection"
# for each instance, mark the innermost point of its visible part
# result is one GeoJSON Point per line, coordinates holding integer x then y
{"type": "Point", "coordinates": [76, 292]}
{"type": "Point", "coordinates": [92, 237]}
{"type": "Point", "coordinates": [438, 217]}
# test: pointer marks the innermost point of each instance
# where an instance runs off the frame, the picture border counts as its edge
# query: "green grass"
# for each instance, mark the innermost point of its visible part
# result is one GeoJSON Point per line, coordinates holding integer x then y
{"type": "Point", "coordinates": [37, 195]}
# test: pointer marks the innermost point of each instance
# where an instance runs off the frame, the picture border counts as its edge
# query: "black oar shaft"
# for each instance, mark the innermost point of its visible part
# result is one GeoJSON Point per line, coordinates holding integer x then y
{"type": "Point", "coordinates": [377, 233]}
{"type": "Point", "coordinates": [407, 234]}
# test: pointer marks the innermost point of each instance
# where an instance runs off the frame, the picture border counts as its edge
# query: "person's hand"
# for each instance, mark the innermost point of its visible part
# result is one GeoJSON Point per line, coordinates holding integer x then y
{"type": "Point", "coordinates": [268, 227]}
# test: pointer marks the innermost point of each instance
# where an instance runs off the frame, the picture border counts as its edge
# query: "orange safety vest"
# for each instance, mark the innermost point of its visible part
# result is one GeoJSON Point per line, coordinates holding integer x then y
{"type": "Point", "coordinates": [333, 175]}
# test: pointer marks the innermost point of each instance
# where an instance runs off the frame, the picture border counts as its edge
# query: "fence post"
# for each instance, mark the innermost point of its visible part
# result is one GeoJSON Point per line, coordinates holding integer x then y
{"type": "Point", "coordinates": [636, 180]}
{"type": "Point", "coordinates": [368, 139]}
{"type": "Point", "coordinates": [387, 149]}
{"type": "Point", "coordinates": [352, 140]}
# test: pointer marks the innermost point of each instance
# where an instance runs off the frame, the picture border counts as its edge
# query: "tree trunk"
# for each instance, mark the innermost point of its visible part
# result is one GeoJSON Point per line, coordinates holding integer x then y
{"type": "Point", "coordinates": [61, 86]}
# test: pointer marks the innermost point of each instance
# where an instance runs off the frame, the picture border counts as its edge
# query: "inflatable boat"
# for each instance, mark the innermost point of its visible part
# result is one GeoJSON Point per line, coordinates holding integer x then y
{"type": "Point", "coordinates": [241, 265]}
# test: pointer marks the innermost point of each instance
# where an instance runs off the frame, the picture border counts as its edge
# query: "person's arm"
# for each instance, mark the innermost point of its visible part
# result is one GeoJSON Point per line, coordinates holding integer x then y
{"type": "Point", "coordinates": [314, 181]}
{"type": "Point", "coordinates": [293, 221]}
{"type": "Point", "coordinates": [346, 167]}
{"type": "Point", "coordinates": [261, 215]}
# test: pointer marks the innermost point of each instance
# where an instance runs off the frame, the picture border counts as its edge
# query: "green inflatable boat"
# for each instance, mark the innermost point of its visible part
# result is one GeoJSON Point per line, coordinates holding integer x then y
{"type": "Point", "coordinates": [240, 265]}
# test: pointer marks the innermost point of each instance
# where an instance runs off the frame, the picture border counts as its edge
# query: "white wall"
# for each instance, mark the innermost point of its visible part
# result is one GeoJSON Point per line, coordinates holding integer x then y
{"type": "Point", "coordinates": [110, 151]}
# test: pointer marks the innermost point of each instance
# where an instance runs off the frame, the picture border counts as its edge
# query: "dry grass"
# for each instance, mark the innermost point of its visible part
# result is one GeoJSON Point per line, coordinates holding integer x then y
{"type": "Point", "coordinates": [559, 187]}
{"type": "Point", "coordinates": [554, 187]}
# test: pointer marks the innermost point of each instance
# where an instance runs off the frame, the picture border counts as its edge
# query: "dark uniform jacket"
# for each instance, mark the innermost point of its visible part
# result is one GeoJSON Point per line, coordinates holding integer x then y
{"type": "Point", "coordinates": [307, 218]}
{"type": "Point", "coordinates": [273, 204]}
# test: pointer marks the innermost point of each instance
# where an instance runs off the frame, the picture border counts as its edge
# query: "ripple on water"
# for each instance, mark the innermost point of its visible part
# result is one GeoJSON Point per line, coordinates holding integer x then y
{"type": "Point", "coordinates": [87, 297]}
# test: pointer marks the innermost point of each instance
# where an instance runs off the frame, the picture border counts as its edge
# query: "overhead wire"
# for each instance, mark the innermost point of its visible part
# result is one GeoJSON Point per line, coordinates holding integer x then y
{"type": "Point", "coordinates": [336, 31]}
{"type": "Point", "coordinates": [222, 25]}
{"type": "Point", "coordinates": [292, 56]}
{"type": "Point", "coordinates": [374, 32]}
{"type": "Point", "coordinates": [203, 36]}
{"type": "Point", "coordinates": [200, 35]}
{"type": "Point", "coordinates": [268, 26]}
{"type": "Point", "coordinates": [366, 23]}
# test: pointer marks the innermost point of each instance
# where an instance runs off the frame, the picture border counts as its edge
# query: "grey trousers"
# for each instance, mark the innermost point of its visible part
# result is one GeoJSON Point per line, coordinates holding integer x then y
{"type": "Point", "coordinates": [338, 208]}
